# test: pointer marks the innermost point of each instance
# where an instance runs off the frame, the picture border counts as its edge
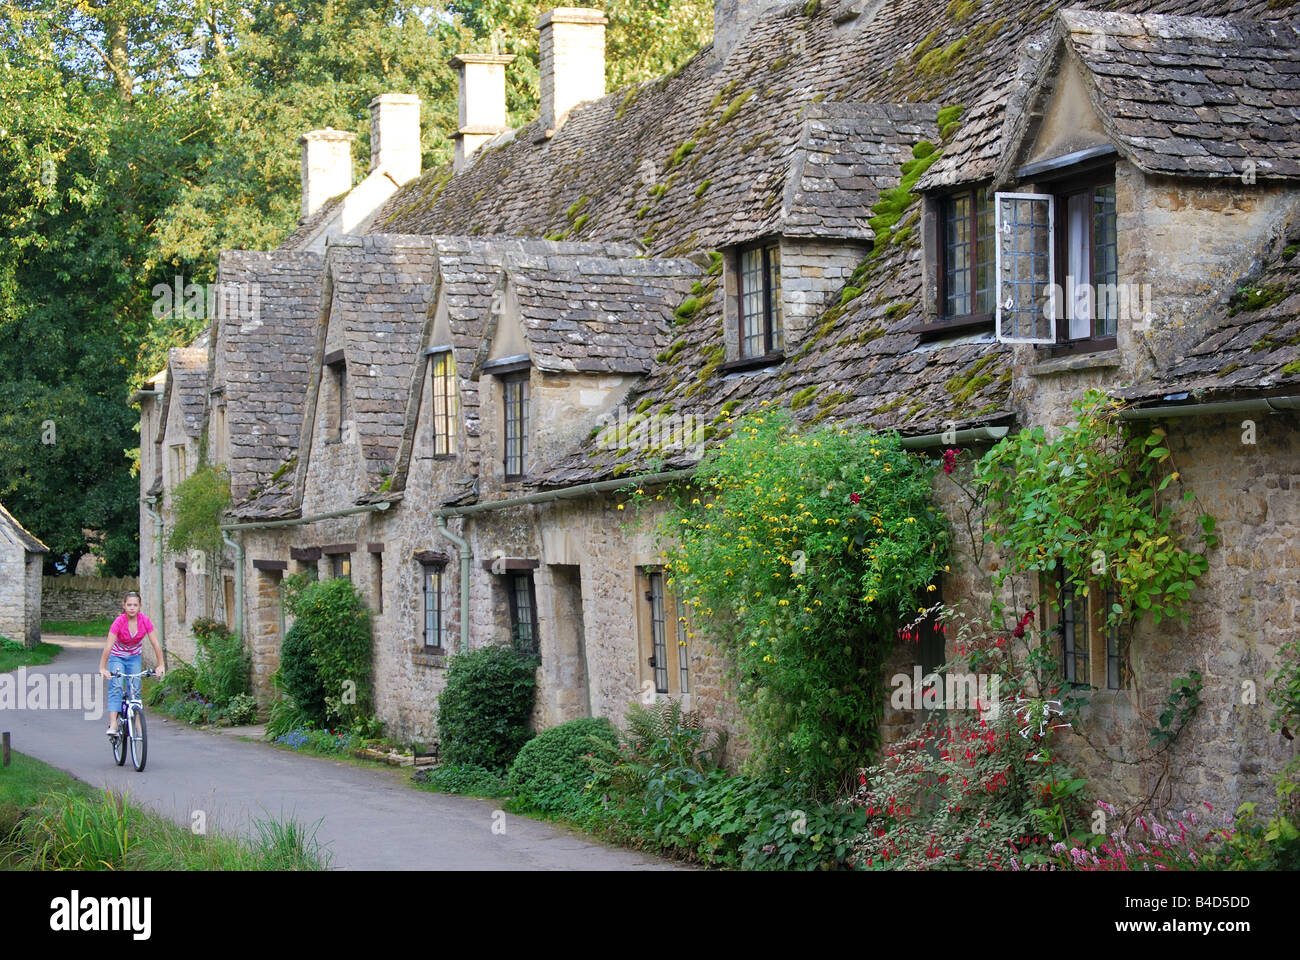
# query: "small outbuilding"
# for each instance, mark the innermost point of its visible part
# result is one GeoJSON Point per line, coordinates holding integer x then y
{"type": "Point", "coordinates": [21, 560]}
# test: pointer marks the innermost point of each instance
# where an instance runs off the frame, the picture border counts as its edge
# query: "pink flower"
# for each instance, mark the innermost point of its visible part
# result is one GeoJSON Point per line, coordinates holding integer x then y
{"type": "Point", "coordinates": [855, 498]}
{"type": "Point", "coordinates": [949, 461]}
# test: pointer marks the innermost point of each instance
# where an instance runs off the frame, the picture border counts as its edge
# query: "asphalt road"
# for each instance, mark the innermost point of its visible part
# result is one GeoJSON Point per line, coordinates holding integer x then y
{"type": "Point", "coordinates": [368, 818]}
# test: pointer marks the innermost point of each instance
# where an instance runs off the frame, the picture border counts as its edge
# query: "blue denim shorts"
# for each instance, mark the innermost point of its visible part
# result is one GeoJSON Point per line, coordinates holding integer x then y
{"type": "Point", "coordinates": [123, 665]}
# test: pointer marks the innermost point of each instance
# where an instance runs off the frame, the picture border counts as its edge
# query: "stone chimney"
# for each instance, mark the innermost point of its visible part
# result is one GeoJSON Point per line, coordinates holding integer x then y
{"type": "Point", "coordinates": [482, 101]}
{"type": "Point", "coordinates": [326, 167]}
{"type": "Point", "coordinates": [395, 135]}
{"type": "Point", "coordinates": [732, 18]}
{"type": "Point", "coordinates": [572, 61]}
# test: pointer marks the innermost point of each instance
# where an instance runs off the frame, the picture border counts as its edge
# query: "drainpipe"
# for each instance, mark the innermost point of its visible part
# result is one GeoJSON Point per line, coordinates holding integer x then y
{"type": "Point", "coordinates": [465, 565]}
{"type": "Point", "coordinates": [1263, 405]}
{"type": "Point", "coordinates": [157, 519]}
{"type": "Point", "coordinates": [239, 579]}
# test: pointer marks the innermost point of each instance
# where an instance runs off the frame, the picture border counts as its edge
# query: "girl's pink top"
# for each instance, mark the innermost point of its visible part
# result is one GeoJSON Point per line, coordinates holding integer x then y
{"type": "Point", "coordinates": [128, 644]}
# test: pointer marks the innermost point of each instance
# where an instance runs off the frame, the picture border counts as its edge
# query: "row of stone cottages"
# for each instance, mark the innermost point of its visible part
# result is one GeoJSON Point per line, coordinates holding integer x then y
{"type": "Point", "coordinates": [411, 397]}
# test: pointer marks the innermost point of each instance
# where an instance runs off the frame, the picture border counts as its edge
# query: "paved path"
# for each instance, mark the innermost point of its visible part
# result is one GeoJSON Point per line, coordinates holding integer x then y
{"type": "Point", "coordinates": [369, 818]}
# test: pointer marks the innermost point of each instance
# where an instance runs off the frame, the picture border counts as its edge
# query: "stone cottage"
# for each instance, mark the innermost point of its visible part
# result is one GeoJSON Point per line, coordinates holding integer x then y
{"type": "Point", "coordinates": [22, 559]}
{"type": "Point", "coordinates": [443, 400]}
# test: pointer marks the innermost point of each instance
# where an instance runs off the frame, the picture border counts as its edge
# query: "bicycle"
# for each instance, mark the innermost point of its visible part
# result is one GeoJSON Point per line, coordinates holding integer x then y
{"type": "Point", "coordinates": [132, 725]}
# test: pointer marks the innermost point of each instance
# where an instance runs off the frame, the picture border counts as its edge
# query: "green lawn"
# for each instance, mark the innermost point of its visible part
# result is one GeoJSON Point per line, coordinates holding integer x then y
{"type": "Point", "coordinates": [66, 825]}
{"type": "Point", "coordinates": [73, 628]}
{"type": "Point", "coordinates": [14, 655]}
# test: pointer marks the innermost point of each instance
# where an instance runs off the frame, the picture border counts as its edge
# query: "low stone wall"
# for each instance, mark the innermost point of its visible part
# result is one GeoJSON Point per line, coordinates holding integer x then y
{"type": "Point", "coordinates": [83, 598]}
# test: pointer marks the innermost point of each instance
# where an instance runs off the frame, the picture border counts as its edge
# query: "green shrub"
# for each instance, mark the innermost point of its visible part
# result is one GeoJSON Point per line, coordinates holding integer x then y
{"type": "Point", "coordinates": [178, 682]}
{"type": "Point", "coordinates": [222, 666]}
{"type": "Point", "coordinates": [241, 710]}
{"type": "Point", "coordinates": [335, 624]}
{"type": "Point", "coordinates": [483, 712]}
{"type": "Point", "coordinates": [300, 680]}
{"type": "Point", "coordinates": [466, 779]}
{"type": "Point", "coordinates": [552, 767]}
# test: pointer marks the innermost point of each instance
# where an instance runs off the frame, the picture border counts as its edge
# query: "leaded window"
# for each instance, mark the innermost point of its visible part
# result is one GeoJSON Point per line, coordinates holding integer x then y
{"type": "Point", "coordinates": [761, 330]}
{"type": "Point", "coordinates": [516, 404]}
{"type": "Point", "coordinates": [445, 405]}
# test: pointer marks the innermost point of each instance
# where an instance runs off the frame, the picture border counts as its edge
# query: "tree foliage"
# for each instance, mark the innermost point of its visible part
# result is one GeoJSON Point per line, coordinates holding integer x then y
{"type": "Point", "coordinates": [138, 138]}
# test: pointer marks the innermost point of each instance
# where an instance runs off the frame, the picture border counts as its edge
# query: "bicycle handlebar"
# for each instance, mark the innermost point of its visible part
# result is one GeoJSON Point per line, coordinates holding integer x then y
{"type": "Point", "coordinates": [147, 673]}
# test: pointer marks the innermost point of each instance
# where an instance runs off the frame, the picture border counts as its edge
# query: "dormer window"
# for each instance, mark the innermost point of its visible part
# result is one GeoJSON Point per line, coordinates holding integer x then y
{"type": "Point", "coordinates": [759, 294]}
{"type": "Point", "coordinates": [968, 257]}
{"type": "Point", "coordinates": [1057, 264]}
{"type": "Point", "coordinates": [514, 373]}
{"type": "Point", "coordinates": [516, 435]}
{"type": "Point", "coordinates": [445, 405]}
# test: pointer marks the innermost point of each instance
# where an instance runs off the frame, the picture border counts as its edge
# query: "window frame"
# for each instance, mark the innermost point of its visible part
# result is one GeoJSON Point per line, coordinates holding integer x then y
{"type": "Point", "coordinates": [436, 570]}
{"type": "Point", "coordinates": [1073, 183]}
{"type": "Point", "coordinates": [444, 440]}
{"type": "Point", "coordinates": [772, 306]}
{"type": "Point", "coordinates": [1105, 649]}
{"type": "Point", "coordinates": [945, 205]}
{"type": "Point", "coordinates": [514, 579]}
{"type": "Point", "coordinates": [658, 635]}
{"type": "Point", "coordinates": [524, 422]}
{"type": "Point", "coordinates": [338, 563]}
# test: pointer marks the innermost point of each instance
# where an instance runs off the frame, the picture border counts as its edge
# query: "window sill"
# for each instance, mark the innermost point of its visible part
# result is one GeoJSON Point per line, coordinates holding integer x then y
{"type": "Point", "coordinates": [1103, 359]}
{"type": "Point", "coordinates": [751, 363]}
{"type": "Point", "coordinates": [427, 658]}
{"type": "Point", "coordinates": [935, 329]}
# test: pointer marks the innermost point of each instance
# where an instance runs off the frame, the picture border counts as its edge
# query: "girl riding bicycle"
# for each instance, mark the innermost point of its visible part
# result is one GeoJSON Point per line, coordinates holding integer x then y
{"type": "Point", "coordinates": [124, 653]}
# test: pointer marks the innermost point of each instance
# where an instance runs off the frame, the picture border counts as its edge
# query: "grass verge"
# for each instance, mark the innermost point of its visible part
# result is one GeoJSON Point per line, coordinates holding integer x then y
{"type": "Point", "coordinates": [78, 628]}
{"type": "Point", "coordinates": [14, 655]}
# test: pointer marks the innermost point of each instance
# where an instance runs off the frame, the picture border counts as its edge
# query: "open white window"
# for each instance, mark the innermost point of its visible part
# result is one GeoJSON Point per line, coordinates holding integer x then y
{"type": "Point", "coordinates": [1026, 307]}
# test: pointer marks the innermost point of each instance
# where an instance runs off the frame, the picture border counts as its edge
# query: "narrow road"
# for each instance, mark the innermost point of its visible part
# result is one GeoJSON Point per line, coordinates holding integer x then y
{"type": "Point", "coordinates": [368, 818]}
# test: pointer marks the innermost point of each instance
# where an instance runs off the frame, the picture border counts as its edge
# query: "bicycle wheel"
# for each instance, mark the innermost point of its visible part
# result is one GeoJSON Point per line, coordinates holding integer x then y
{"type": "Point", "coordinates": [119, 742]}
{"type": "Point", "coordinates": [139, 740]}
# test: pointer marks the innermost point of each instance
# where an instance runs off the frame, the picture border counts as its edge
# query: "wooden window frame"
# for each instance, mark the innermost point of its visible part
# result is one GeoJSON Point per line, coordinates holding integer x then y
{"type": "Point", "coordinates": [337, 562]}
{"type": "Point", "coordinates": [976, 318]}
{"type": "Point", "coordinates": [773, 320]}
{"type": "Point", "coordinates": [437, 571]}
{"type": "Point", "coordinates": [532, 643]}
{"type": "Point", "coordinates": [1086, 181]}
{"type": "Point", "coordinates": [676, 679]}
{"type": "Point", "coordinates": [1107, 650]}
{"type": "Point", "coordinates": [523, 422]}
{"type": "Point", "coordinates": [443, 388]}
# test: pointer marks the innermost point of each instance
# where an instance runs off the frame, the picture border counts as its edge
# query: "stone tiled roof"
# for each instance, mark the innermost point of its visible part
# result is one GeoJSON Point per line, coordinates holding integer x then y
{"type": "Point", "coordinates": [863, 365]}
{"type": "Point", "coordinates": [469, 273]}
{"type": "Point", "coordinates": [1254, 341]}
{"type": "Point", "coordinates": [266, 362]}
{"type": "Point", "coordinates": [18, 534]}
{"type": "Point", "coordinates": [849, 153]}
{"type": "Point", "coordinates": [308, 227]}
{"type": "Point", "coordinates": [186, 384]}
{"type": "Point", "coordinates": [382, 286]}
{"type": "Point", "coordinates": [598, 314]}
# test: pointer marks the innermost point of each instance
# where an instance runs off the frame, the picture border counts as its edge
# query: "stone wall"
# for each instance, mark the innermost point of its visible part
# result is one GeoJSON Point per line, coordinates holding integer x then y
{"type": "Point", "coordinates": [83, 598]}
{"type": "Point", "coordinates": [15, 619]}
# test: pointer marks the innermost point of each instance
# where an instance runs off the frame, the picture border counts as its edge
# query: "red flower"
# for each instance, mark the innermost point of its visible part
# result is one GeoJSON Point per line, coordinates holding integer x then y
{"type": "Point", "coordinates": [855, 498]}
{"type": "Point", "coordinates": [949, 461]}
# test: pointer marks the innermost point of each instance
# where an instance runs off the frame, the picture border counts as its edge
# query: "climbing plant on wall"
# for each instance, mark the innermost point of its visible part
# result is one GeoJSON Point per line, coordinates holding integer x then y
{"type": "Point", "coordinates": [1092, 500]}
{"type": "Point", "coordinates": [798, 554]}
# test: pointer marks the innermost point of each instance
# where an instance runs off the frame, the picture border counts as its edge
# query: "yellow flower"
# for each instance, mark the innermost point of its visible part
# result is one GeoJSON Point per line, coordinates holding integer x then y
{"type": "Point", "coordinates": [620, 506]}
{"type": "Point", "coordinates": [910, 520]}
{"type": "Point", "coordinates": [930, 588]}
{"type": "Point", "coordinates": [783, 603]}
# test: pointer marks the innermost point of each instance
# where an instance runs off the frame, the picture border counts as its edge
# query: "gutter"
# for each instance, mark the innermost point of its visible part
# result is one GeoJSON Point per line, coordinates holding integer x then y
{"type": "Point", "coordinates": [156, 517]}
{"type": "Point", "coordinates": [954, 438]}
{"type": "Point", "coordinates": [141, 394]}
{"type": "Point", "coordinates": [565, 493]}
{"type": "Point", "coordinates": [1263, 405]}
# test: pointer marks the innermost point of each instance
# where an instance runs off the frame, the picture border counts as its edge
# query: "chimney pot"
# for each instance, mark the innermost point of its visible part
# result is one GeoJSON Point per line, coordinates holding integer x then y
{"type": "Point", "coordinates": [572, 46]}
{"type": "Point", "coordinates": [326, 167]}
